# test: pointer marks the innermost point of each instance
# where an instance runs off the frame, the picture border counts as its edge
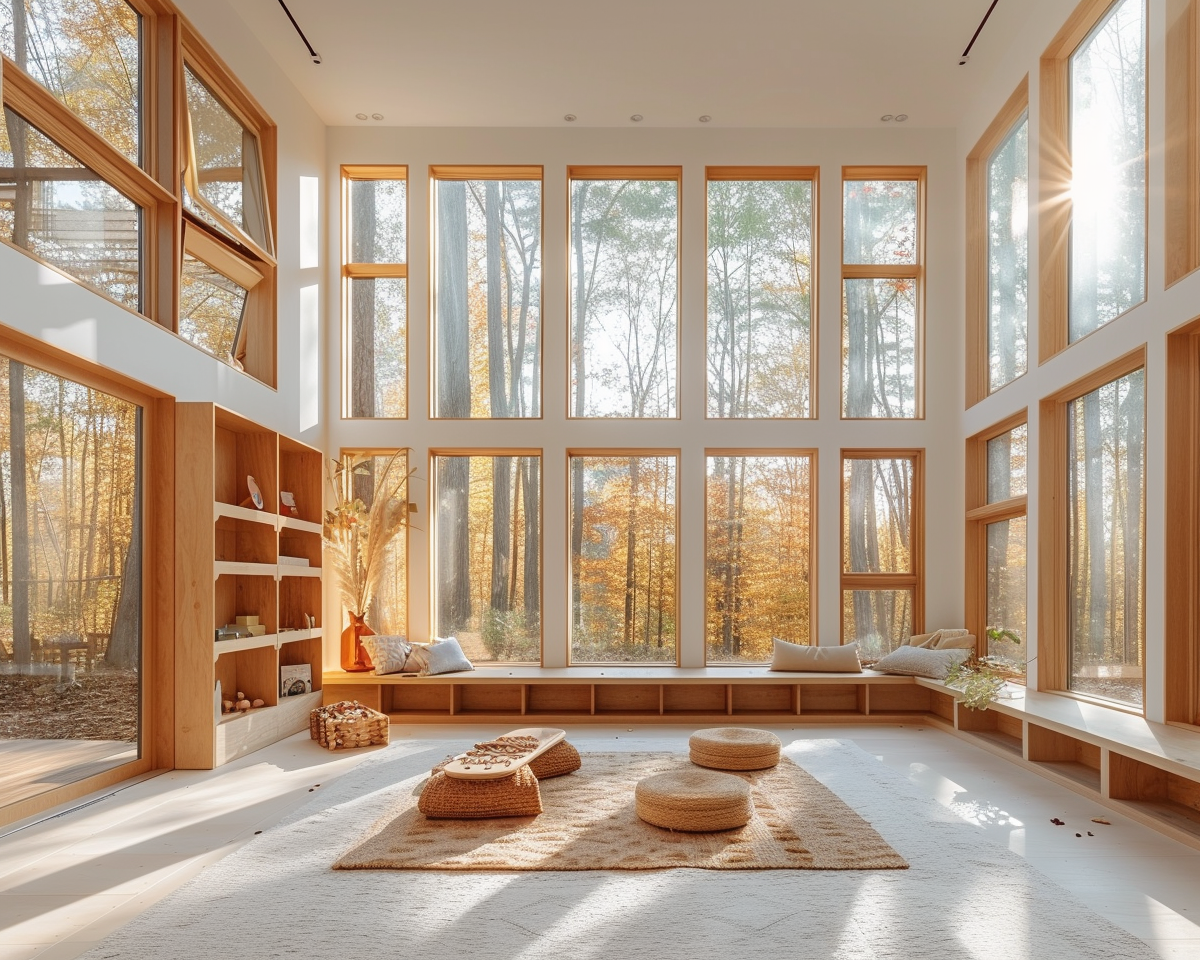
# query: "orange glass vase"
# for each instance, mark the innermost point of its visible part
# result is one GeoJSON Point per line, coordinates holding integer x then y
{"type": "Point", "coordinates": [355, 658]}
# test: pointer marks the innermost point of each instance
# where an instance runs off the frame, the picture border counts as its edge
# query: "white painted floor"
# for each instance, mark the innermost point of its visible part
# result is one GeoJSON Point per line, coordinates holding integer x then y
{"type": "Point", "coordinates": [67, 882]}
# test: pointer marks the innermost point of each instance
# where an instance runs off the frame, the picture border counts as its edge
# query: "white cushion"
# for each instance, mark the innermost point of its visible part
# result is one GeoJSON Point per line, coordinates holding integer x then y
{"type": "Point", "coordinates": [921, 662]}
{"type": "Point", "coordinates": [798, 656]}
{"type": "Point", "coordinates": [388, 653]}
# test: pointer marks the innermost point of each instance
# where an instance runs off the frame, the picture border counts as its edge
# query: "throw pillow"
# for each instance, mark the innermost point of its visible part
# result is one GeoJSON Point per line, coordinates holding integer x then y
{"type": "Point", "coordinates": [387, 653]}
{"type": "Point", "coordinates": [798, 656]}
{"type": "Point", "coordinates": [446, 656]}
{"type": "Point", "coordinates": [956, 641]}
{"type": "Point", "coordinates": [920, 662]}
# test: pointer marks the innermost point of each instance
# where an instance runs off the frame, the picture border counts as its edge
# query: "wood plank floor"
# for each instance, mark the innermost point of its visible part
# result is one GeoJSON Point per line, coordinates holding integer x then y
{"type": "Point", "coordinates": [30, 767]}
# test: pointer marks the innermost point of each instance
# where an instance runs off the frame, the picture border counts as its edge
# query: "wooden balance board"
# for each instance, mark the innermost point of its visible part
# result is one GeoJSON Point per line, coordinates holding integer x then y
{"type": "Point", "coordinates": [506, 767]}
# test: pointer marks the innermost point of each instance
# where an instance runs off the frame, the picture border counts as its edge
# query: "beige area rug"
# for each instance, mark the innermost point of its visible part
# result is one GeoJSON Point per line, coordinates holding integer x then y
{"type": "Point", "coordinates": [589, 823]}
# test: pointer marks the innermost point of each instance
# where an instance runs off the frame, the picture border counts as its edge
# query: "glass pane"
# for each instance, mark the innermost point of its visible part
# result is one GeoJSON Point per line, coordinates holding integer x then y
{"type": "Point", "coordinates": [227, 172]}
{"type": "Point", "coordinates": [879, 345]}
{"type": "Point", "coordinates": [488, 556]}
{"type": "Point", "coordinates": [1006, 464]}
{"type": "Point", "coordinates": [624, 297]}
{"type": "Point", "coordinates": [880, 221]}
{"type": "Point", "coordinates": [1108, 156]}
{"type": "Point", "coordinates": [210, 308]}
{"type": "Point", "coordinates": [377, 344]}
{"type": "Point", "coordinates": [488, 300]}
{"type": "Point", "coordinates": [55, 207]}
{"type": "Point", "coordinates": [88, 55]}
{"type": "Point", "coordinates": [1008, 258]}
{"type": "Point", "coordinates": [1006, 596]}
{"type": "Point", "coordinates": [758, 556]}
{"type": "Point", "coordinates": [877, 508]}
{"type": "Point", "coordinates": [623, 559]}
{"type": "Point", "coordinates": [388, 613]}
{"type": "Point", "coordinates": [70, 583]}
{"type": "Point", "coordinates": [378, 221]}
{"type": "Point", "coordinates": [759, 298]}
{"type": "Point", "coordinates": [879, 620]}
{"type": "Point", "coordinates": [1106, 539]}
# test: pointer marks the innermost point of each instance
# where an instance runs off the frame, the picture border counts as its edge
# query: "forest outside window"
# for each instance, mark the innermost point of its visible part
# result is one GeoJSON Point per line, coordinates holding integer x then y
{"type": "Point", "coordinates": [624, 556]}
{"type": "Point", "coordinates": [761, 274]}
{"type": "Point", "coordinates": [758, 553]}
{"type": "Point", "coordinates": [57, 208]}
{"type": "Point", "coordinates": [87, 55]}
{"type": "Point", "coordinates": [624, 291]}
{"type": "Point", "coordinates": [488, 555]}
{"type": "Point", "coordinates": [882, 580]}
{"type": "Point", "coordinates": [375, 278]}
{"type": "Point", "coordinates": [1093, 163]}
{"type": "Point", "coordinates": [882, 290]}
{"type": "Point", "coordinates": [488, 291]}
{"type": "Point", "coordinates": [388, 612]}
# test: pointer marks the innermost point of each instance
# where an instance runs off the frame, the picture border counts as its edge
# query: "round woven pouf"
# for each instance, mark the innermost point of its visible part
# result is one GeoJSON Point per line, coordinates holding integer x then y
{"type": "Point", "coordinates": [698, 801]}
{"type": "Point", "coordinates": [734, 748]}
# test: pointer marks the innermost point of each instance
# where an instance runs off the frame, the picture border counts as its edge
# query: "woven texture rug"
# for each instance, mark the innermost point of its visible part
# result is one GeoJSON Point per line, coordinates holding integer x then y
{"type": "Point", "coordinates": [589, 823]}
{"type": "Point", "coordinates": [964, 897]}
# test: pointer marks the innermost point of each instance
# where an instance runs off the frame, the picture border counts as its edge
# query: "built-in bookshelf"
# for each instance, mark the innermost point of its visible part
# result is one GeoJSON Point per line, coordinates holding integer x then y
{"type": "Point", "coordinates": [238, 559]}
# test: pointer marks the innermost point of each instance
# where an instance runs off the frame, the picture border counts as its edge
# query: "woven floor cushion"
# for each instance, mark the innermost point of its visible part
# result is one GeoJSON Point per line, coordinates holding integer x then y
{"type": "Point", "coordinates": [695, 801]}
{"type": "Point", "coordinates": [562, 758]}
{"type": "Point", "coordinates": [450, 798]}
{"type": "Point", "coordinates": [734, 748]}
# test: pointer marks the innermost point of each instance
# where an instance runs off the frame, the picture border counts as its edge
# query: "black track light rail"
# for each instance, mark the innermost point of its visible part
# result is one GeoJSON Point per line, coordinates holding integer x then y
{"type": "Point", "coordinates": [316, 57]}
{"type": "Point", "coordinates": [961, 60]}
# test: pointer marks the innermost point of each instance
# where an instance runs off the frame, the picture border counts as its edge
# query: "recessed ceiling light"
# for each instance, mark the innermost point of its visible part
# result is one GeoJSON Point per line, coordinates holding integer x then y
{"type": "Point", "coordinates": [569, 117]}
{"type": "Point", "coordinates": [361, 116]}
{"type": "Point", "coordinates": [705, 118]}
{"type": "Point", "coordinates": [637, 118]}
{"type": "Point", "coordinates": [901, 117]}
{"type": "Point", "coordinates": [377, 116]}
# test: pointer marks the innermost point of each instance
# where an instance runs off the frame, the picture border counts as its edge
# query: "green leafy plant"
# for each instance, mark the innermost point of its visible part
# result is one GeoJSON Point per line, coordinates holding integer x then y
{"type": "Point", "coordinates": [1002, 634]}
{"type": "Point", "coordinates": [979, 682]}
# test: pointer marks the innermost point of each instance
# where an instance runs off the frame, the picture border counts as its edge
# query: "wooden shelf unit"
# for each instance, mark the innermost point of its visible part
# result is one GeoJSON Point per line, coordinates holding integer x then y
{"type": "Point", "coordinates": [228, 565]}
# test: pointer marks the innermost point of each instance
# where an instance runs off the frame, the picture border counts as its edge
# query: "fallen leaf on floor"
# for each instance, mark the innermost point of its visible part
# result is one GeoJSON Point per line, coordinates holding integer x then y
{"type": "Point", "coordinates": [1107, 823]}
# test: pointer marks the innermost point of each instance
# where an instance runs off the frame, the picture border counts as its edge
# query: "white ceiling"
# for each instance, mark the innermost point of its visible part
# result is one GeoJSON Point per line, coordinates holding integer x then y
{"type": "Point", "coordinates": [749, 63]}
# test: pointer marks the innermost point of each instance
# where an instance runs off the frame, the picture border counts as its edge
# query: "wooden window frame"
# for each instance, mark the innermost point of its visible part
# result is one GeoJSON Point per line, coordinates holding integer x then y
{"type": "Point", "coordinates": [351, 172]}
{"type": "Point", "coordinates": [813, 455]}
{"type": "Point", "coordinates": [619, 172]}
{"type": "Point", "coordinates": [155, 185]}
{"type": "Point", "coordinates": [157, 706]}
{"type": "Point", "coordinates": [978, 360]}
{"type": "Point", "coordinates": [980, 514]}
{"type": "Point", "coordinates": [1054, 178]}
{"type": "Point", "coordinates": [446, 171]}
{"type": "Point", "coordinates": [914, 580]}
{"type": "Point", "coordinates": [1053, 609]}
{"type": "Point", "coordinates": [1182, 146]}
{"type": "Point", "coordinates": [609, 453]}
{"type": "Point", "coordinates": [897, 271]}
{"type": "Point", "coordinates": [1181, 630]}
{"type": "Point", "coordinates": [813, 176]}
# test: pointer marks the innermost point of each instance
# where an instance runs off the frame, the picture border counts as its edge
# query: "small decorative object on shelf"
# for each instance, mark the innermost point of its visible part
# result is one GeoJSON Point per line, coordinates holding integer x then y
{"type": "Point", "coordinates": [357, 537]}
{"type": "Point", "coordinates": [983, 682]}
{"type": "Point", "coordinates": [295, 679]}
{"type": "Point", "coordinates": [346, 724]}
{"type": "Point", "coordinates": [287, 503]}
{"type": "Point", "coordinates": [256, 498]}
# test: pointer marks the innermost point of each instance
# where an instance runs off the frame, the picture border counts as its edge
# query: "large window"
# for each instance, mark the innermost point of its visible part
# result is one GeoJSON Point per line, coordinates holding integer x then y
{"type": "Point", "coordinates": [758, 553]}
{"type": "Point", "coordinates": [883, 601]}
{"type": "Point", "coordinates": [70, 580]}
{"type": "Point", "coordinates": [1093, 172]}
{"type": "Point", "coordinates": [488, 553]}
{"type": "Point", "coordinates": [761, 291]}
{"type": "Point", "coordinates": [624, 291]}
{"type": "Point", "coordinates": [623, 556]}
{"type": "Point", "coordinates": [997, 489]}
{"type": "Point", "coordinates": [1093, 462]}
{"type": "Point", "coordinates": [487, 291]}
{"type": "Point", "coordinates": [882, 297]}
{"type": "Point", "coordinates": [375, 292]}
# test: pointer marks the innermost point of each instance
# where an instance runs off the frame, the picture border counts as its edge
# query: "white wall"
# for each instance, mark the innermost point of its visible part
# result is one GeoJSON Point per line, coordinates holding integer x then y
{"type": "Point", "coordinates": [940, 433]}
{"type": "Point", "coordinates": [1149, 323]}
{"type": "Point", "coordinates": [43, 304]}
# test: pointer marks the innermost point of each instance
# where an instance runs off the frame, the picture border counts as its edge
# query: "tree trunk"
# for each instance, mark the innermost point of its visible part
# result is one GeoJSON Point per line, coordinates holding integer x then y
{"type": "Point", "coordinates": [362, 303]}
{"type": "Point", "coordinates": [630, 552]}
{"type": "Point", "coordinates": [22, 647]}
{"type": "Point", "coordinates": [124, 646]}
{"type": "Point", "coordinates": [580, 375]}
{"type": "Point", "coordinates": [1093, 485]}
{"type": "Point", "coordinates": [1134, 513]}
{"type": "Point", "coordinates": [533, 548]}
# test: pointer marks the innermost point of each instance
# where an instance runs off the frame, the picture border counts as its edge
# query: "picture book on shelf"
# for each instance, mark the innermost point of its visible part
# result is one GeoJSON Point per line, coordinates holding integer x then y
{"type": "Point", "coordinates": [295, 679]}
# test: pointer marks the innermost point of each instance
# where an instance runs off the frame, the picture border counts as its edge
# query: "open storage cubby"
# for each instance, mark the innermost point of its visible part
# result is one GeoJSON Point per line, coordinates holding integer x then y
{"type": "Point", "coordinates": [714, 698]}
{"type": "Point", "coordinates": [629, 699]}
{"type": "Point", "coordinates": [1164, 794]}
{"type": "Point", "coordinates": [898, 698]}
{"type": "Point", "coordinates": [559, 699]}
{"type": "Point", "coordinates": [994, 727]}
{"type": "Point", "coordinates": [832, 698]}
{"type": "Point", "coordinates": [230, 563]}
{"type": "Point", "coordinates": [1067, 756]}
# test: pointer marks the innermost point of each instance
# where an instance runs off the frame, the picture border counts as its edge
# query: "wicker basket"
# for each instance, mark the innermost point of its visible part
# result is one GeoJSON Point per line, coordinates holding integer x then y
{"type": "Point", "coordinates": [347, 724]}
